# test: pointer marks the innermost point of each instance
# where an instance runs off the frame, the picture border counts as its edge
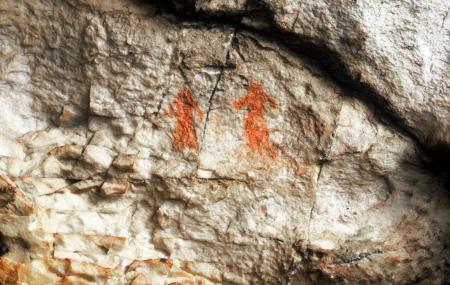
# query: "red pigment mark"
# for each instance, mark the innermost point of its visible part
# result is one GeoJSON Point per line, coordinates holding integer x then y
{"type": "Point", "coordinates": [255, 125]}
{"type": "Point", "coordinates": [182, 107]}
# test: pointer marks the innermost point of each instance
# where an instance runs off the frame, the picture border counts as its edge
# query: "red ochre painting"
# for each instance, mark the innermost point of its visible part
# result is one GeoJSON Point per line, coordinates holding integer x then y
{"type": "Point", "coordinates": [255, 125]}
{"type": "Point", "coordinates": [182, 107]}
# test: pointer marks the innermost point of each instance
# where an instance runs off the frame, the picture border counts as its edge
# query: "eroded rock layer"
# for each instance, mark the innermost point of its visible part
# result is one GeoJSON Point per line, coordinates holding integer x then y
{"type": "Point", "coordinates": [138, 147]}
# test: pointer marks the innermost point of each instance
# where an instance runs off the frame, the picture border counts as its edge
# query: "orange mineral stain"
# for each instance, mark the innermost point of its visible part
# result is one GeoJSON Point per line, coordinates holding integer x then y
{"type": "Point", "coordinates": [182, 108]}
{"type": "Point", "coordinates": [255, 125]}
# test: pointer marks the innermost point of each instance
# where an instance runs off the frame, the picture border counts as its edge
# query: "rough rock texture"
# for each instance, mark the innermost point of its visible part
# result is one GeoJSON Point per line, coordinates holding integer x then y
{"type": "Point", "coordinates": [141, 147]}
{"type": "Point", "coordinates": [396, 51]}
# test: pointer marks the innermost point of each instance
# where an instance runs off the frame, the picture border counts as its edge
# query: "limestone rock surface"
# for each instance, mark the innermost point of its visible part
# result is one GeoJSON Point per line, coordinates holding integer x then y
{"type": "Point", "coordinates": [395, 50]}
{"type": "Point", "coordinates": [139, 146]}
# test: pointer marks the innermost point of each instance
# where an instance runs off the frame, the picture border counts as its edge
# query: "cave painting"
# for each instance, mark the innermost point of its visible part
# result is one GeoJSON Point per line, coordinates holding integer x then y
{"type": "Point", "coordinates": [255, 125]}
{"type": "Point", "coordinates": [182, 107]}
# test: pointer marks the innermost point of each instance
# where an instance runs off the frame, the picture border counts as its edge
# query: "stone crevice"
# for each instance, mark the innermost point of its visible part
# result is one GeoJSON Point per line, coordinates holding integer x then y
{"type": "Point", "coordinates": [329, 61]}
{"type": "Point", "coordinates": [314, 200]}
{"type": "Point", "coordinates": [343, 198]}
{"type": "Point", "coordinates": [219, 78]}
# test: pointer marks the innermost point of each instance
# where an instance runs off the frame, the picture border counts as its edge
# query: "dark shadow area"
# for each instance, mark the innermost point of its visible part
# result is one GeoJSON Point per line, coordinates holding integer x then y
{"type": "Point", "coordinates": [437, 162]}
{"type": "Point", "coordinates": [3, 246]}
{"type": "Point", "coordinates": [435, 158]}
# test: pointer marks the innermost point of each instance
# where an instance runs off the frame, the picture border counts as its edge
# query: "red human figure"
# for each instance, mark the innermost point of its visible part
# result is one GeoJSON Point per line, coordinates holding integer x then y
{"type": "Point", "coordinates": [255, 125]}
{"type": "Point", "coordinates": [182, 108]}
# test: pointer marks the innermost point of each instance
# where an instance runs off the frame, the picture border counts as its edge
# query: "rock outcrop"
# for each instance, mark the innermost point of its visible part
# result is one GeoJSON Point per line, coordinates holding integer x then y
{"type": "Point", "coordinates": [193, 143]}
{"type": "Point", "coordinates": [395, 53]}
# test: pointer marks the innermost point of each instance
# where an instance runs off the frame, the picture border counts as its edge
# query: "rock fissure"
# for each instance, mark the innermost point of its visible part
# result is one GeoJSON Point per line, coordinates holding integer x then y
{"type": "Point", "coordinates": [314, 200]}
{"type": "Point", "coordinates": [219, 78]}
{"type": "Point", "coordinates": [311, 166]}
{"type": "Point", "coordinates": [434, 154]}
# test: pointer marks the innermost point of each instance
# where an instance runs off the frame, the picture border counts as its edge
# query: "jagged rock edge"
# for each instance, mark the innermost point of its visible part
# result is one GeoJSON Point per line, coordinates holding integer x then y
{"type": "Point", "coordinates": [433, 158]}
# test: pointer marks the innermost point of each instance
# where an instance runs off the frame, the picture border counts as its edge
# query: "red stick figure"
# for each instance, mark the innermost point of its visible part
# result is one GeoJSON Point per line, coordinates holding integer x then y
{"type": "Point", "coordinates": [255, 125]}
{"type": "Point", "coordinates": [182, 107]}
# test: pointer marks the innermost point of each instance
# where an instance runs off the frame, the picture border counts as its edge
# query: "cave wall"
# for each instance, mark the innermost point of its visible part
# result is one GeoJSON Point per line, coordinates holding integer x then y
{"type": "Point", "coordinates": [224, 142]}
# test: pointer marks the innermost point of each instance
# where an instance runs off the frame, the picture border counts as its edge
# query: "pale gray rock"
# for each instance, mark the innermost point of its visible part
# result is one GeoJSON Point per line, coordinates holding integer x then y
{"type": "Point", "coordinates": [399, 49]}
{"type": "Point", "coordinates": [141, 148]}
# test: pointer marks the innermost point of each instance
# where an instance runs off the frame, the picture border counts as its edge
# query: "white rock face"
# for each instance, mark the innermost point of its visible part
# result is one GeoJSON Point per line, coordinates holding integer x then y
{"type": "Point", "coordinates": [397, 48]}
{"type": "Point", "coordinates": [141, 148]}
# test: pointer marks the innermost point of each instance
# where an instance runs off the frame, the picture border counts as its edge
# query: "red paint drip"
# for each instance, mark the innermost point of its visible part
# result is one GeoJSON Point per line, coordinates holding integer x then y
{"type": "Point", "coordinates": [184, 135]}
{"type": "Point", "coordinates": [255, 125]}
